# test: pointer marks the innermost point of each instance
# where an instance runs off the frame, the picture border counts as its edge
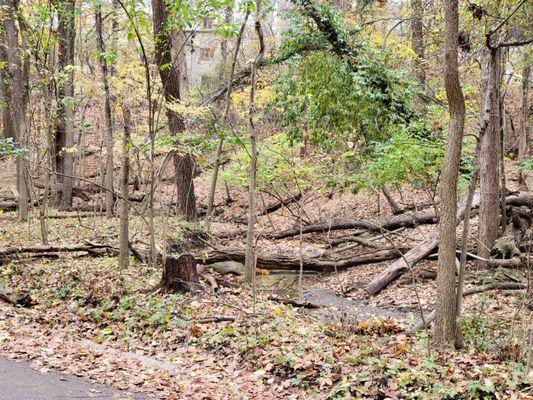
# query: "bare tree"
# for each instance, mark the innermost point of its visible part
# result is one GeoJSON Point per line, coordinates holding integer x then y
{"type": "Point", "coordinates": [224, 118]}
{"type": "Point", "coordinates": [124, 189]}
{"type": "Point", "coordinates": [417, 41]}
{"type": "Point", "coordinates": [64, 135]}
{"type": "Point", "coordinates": [446, 328]}
{"type": "Point", "coordinates": [526, 137]}
{"type": "Point", "coordinates": [489, 209]}
{"type": "Point", "coordinates": [108, 118]}
{"type": "Point", "coordinates": [7, 122]}
{"type": "Point", "coordinates": [17, 95]}
{"type": "Point", "coordinates": [249, 269]}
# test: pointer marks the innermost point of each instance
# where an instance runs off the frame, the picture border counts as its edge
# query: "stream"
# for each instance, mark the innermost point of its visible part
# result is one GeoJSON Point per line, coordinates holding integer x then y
{"type": "Point", "coordinates": [331, 307]}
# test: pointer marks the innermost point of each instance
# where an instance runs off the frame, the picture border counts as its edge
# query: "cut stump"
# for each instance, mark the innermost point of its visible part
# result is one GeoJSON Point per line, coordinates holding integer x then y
{"type": "Point", "coordinates": [180, 275]}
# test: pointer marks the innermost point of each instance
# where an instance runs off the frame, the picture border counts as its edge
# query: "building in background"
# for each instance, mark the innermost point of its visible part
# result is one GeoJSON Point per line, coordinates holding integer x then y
{"type": "Point", "coordinates": [207, 52]}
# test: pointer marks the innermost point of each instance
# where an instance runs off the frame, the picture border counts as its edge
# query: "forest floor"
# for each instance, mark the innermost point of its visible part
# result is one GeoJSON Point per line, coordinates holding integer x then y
{"type": "Point", "coordinates": [96, 321]}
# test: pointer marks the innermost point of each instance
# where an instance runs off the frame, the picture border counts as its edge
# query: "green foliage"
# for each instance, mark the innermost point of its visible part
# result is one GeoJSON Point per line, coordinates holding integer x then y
{"type": "Point", "coordinates": [10, 148]}
{"type": "Point", "coordinates": [320, 96]}
{"type": "Point", "coordinates": [278, 166]}
{"type": "Point", "coordinates": [407, 156]}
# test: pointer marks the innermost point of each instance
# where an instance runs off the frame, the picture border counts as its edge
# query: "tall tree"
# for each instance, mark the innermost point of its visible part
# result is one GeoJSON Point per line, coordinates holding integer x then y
{"type": "Point", "coordinates": [525, 143]}
{"type": "Point", "coordinates": [17, 94]}
{"type": "Point", "coordinates": [7, 122]}
{"type": "Point", "coordinates": [489, 182]}
{"type": "Point", "coordinates": [64, 135]}
{"type": "Point", "coordinates": [417, 41]}
{"type": "Point", "coordinates": [249, 269]}
{"type": "Point", "coordinates": [446, 328]}
{"type": "Point", "coordinates": [108, 118]}
{"type": "Point", "coordinates": [170, 73]}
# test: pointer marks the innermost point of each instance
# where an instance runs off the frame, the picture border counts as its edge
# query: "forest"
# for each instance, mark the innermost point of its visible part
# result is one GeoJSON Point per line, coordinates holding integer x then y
{"type": "Point", "coordinates": [266, 199]}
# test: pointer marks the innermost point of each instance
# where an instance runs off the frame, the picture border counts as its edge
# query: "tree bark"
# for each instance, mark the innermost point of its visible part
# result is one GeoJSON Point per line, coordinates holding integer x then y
{"type": "Point", "coordinates": [417, 42]}
{"type": "Point", "coordinates": [7, 122]}
{"type": "Point", "coordinates": [416, 254]}
{"type": "Point", "coordinates": [170, 73]}
{"type": "Point", "coordinates": [489, 209]}
{"type": "Point", "coordinates": [184, 166]}
{"type": "Point", "coordinates": [180, 275]}
{"type": "Point", "coordinates": [64, 135]}
{"type": "Point", "coordinates": [18, 95]}
{"type": "Point", "coordinates": [404, 220]}
{"type": "Point", "coordinates": [281, 262]}
{"type": "Point", "coordinates": [447, 331]}
{"type": "Point", "coordinates": [108, 118]}
{"type": "Point", "coordinates": [124, 250]}
{"type": "Point", "coordinates": [525, 142]}
{"type": "Point", "coordinates": [249, 265]}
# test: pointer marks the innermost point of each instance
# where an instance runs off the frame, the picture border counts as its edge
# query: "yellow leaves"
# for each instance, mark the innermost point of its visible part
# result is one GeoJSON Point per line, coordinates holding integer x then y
{"type": "Point", "coordinates": [187, 110]}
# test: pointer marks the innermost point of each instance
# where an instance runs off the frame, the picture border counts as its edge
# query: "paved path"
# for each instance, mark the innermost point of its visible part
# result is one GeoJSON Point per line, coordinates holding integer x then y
{"type": "Point", "coordinates": [19, 382]}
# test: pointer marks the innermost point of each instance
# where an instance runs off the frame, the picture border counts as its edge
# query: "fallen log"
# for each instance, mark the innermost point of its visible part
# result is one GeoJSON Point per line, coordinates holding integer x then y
{"type": "Point", "coordinates": [280, 262]}
{"type": "Point", "coordinates": [8, 251]}
{"type": "Point", "coordinates": [16, 299]}
{"type": "Point", "coordinates": [8, 206]}
{"type": "Point", "coordinates": [76, 190]}
{"type": "Point", "coordinates": [520, 199]}
{"type": "Point", "coordinates": [294, 303]}
{"type": "Point", "coordinates": [414, 255]}
{"type": "Point", "coordinates": [398, 221]}
{"type": "Point", "coordinates": [279, 204]}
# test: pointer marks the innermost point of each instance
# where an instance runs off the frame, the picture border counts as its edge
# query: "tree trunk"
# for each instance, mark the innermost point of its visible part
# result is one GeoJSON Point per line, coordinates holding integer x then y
{"type": "Point", "coordinates": [417, 42]}
{"type": "Point", "coordinates": [525, 142]}
{"type": "Point", "coordinates": [249, 265]}
{"type": "Point", "coordinates": [170, 73]}
{"type": "Point", "coordinates": [184, 166]}
{"type": "Point", "coordinates": [216, 167]}
{"type": "Point", "coordinates": [180, 275]}
{"type": "Point", "coordinates": [109, 197]}
{"type": "Point", "coordinates": [7, 122]}
{"type": "Point", "coordinates": [18, 96]}
{"type": "Point", "coordinates": [64, 135]}
{"type": "Point", "coordinates": [489, 209]}
{"type": "Point", "coordinates": [447, 332]}
{"type": "Point", "coordinates": [124, 250]}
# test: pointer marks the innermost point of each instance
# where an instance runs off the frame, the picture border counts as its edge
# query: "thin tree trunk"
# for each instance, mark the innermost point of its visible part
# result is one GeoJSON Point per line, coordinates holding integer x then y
{"type": "Point", "coordinates": [525, 142]}
{"type": "Point", "coordinates": [108, 130]}
{"type": "Point", "coordinates": [489, 209]}
{"type": "Point", "coordinates": [124, 251]}
{"type": "Point", "coordinates": [446, 328]}
{"type": "Point", "coordinates": [249, 265]}
{"type": "Point", "coordinates": [64, 135]}
{"type": "Point", "coordinates": [417, 42]}
{"type": "Point", "coordinates": [7, 122]}
{"type": "Point", "coordinates": [214, 177]}
{"type": "Point", "coordinates": [109, 198]}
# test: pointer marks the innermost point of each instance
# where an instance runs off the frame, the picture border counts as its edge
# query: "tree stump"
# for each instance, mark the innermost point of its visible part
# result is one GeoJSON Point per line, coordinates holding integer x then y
{"type": "Point", "coordinates": [180, 275]}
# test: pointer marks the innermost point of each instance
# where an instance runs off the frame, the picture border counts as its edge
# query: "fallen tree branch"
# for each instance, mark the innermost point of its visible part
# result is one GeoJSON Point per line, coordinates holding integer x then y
{"type": "Point", "coordinates": [280, 262]}
{"type": "Point", "coordinates": [398, 221]}
{"type": "Point", "coordinates": [8, 251]}
{"type": "Point", "coordinates": [413, 256]}
{"type": "Point", "coordinates": [281, 203]}
{"type": "Point", "coordinates": [294, 303]}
